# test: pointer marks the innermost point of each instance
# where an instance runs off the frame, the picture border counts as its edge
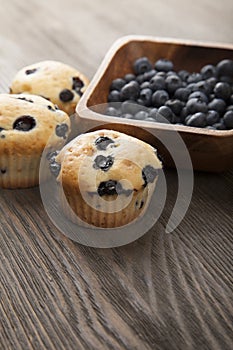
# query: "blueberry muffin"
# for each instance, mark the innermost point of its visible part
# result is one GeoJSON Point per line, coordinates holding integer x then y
{"type": "Point", "coordinates": [27, 124]}
{"type": "Point", "coordinates": [106, 178]}
{"type": "Point", "coordinates": [56, 81]}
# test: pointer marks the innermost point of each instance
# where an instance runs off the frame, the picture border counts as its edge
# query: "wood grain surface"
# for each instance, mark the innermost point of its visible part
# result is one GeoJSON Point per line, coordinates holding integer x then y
{"type": "Point", "coordinates": [164, 291]}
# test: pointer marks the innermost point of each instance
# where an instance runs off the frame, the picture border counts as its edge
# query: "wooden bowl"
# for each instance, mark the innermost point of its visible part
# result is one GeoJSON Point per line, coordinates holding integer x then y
{"type": "Point", "coordinates": [210, 150]}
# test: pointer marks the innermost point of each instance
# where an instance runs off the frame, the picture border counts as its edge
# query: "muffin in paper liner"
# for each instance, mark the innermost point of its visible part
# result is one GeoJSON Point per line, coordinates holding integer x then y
{"type": "Point", "coordinates": [58, 82]}
{"type": "Point", "coordinates": [106, 178]}
{"type": "Point", "coordinates": [28, 124]}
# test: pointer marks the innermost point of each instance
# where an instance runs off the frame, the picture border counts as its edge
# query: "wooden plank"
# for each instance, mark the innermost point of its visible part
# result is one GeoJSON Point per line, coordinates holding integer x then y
{"type": "Point", "coordinates": [161, 292]}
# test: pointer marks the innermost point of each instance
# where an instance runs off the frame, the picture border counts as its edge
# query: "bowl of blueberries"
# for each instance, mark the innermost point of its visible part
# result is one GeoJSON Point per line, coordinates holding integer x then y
{"type": "Point", "coordinates": [148, 87]}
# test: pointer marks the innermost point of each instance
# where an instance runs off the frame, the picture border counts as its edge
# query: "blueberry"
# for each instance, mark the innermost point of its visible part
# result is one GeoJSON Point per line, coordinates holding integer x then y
{"type": "Point", "coordinates": [229, 108]}
{"type": "Point", "coordinates": [228, 119]}
{"type": "Point", "coordinates": [175, 105]}
{"type": "Point", "coordinates": [211, 97]}
{"type": "Point", "coordinates": [149, 173]}
{"type": "Point", "coordinates": [194, 78]}
{"type": "Point", "coordinates": [225, 68]}
{"type": "Point", "coordinates": [55, 168]}
{"type": "Point", "coordinates": [145, 95]}
{"type": "Point", "coordinates": [103, 163]}
{"type": "Point", "coordinates": [164, 65]}
{"type": "Point", "coordinates": [112, 111]}
{"type": "Point", "coordinates": [222, 90]}
{"type": "Point", "coordinates": [157, 83]}
{"type": "Point", "coordinates": [66, 95]}
{"type": "Point", "coordinates": [226, 79]}
{"type": "Point", "coordinates": [182, 94]}
{"type": "Point", "coordinates": [197, 120]}
{"type": "Point", "coordinates": [107, 188]}
{"type": "Point", "coordinates": [159, 98]}
{"type": "Point", "coordinates": [196, 105]}
{"type": "Point", "coordinates": [77, 84]}
{"type": "Point", "coordinates": [153, 113]}
{"type": "Point", "coordinates": [219, 126]}
{"type": "Point", "coordinates": [141, 115]}
{"type": "Point", "coordinates": [148, 75]}
{"type": "Point", "coordinates": [130, 107]}
{"type": "Point", "coordinates": [212, 117]}
{"type": "Point", "coordinates": [114, 96]}
{"type": "Point", "coordinates": [191, 87]}
{"type": "Point", "coordinates": [129, 77]}
{"type": "Point", "coordinates": [171, 72]}
{"type": "Point", "coordinates": [30, 71]}
{"type": "Point", "coordinates": [51, 156]}
{"type": "Point", "coordinates": [187, 118]}
{"type": "Point", "coordinates": [218, 105]}
{"type": "Point", "coordinates": [202, 86]}
{"type": "Point", "coordinates": [184, 113]}
{"type": "Point", "coordinates": [61, 130]}
{"type": "Point", "coordinates": [102, 142]}
{"type": "Point", "coordinates": [176, 120]}
{"type": "Point", "coordinates": [208, 71]}
{"type": "Point", "coordinates": [130, 91]}
{"type": "Point", "coordinates": [231, 99]}
{"type": "Point", "coordinates": [110, 188]}
{"type": "Point", "coordinates": [117, 84]}
{"type": "Point", "coordinates": [24, 123]}
{"type": "Point", "coordinates": [212, 82]}
{"type": "Point", "coordinates": [140, 78]}
{"type": "Point", "coordinates": [183, 74]}
{"type": "Point", "coordinates": [161, 74]}
{"type": "Point", "coordinates": [51, 108]}
{"type": "Point", "coordinates": [145, 85]}
{"type": "Point", "coordinates": [142, 65]}
{"type": "Point", "coordinates": [141, 102]}
{"type": "Point", "coordinates": [164, 115]}
{"type": "Point", "coordinates": [200, 95]}
{"type": "Point", "coordinates": [173, 82]}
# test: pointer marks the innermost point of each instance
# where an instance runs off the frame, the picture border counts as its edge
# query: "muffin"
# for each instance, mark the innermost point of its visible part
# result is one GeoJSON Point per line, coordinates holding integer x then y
{"type": "Point", "coordinates": [27, 124]}
{"type": "Point", "coordinates": [106, 178]}
{"type": "Point", "coordinates": [55, 81]}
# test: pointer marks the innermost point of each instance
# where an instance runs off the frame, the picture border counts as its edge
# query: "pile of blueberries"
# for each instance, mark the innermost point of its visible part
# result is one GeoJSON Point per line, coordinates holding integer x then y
{"type": "Point", "coordinates": [157, 93]}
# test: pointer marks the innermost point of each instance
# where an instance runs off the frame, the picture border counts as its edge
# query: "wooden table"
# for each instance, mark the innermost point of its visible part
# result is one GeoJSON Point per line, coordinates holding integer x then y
{"type": "Point", "coordinates": [164, 291]}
